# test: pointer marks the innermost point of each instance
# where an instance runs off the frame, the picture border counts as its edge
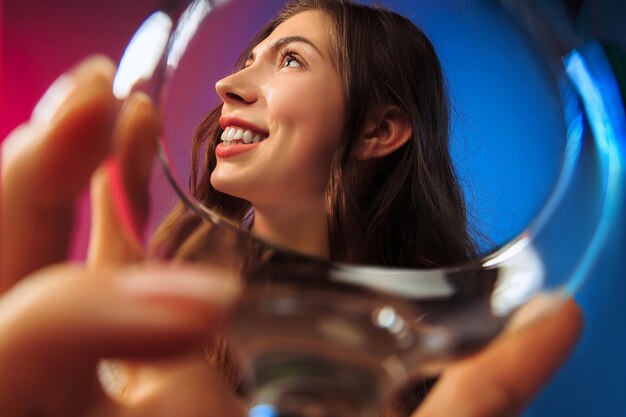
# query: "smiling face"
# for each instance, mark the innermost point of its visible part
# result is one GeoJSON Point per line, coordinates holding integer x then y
{"type": "Point", "coordinates": [287, 103]}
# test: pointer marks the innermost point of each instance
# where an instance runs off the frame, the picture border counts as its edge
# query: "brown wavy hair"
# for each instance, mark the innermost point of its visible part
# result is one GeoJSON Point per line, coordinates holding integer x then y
{"type": "Point", "coordinates": [406, 209]}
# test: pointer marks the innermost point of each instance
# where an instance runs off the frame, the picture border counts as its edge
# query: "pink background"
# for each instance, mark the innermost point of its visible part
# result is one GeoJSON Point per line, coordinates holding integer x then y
{"type": "Point", "coordinates": [42, 39]}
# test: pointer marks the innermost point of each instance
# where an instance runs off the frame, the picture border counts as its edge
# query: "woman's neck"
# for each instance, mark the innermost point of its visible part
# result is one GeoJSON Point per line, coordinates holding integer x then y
{"type": "Point", "coordinates": [304, 231]}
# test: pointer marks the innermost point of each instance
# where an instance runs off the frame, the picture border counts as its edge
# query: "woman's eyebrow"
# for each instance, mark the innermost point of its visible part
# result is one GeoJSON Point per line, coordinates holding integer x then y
{"type": "Point", "coordinates": [279, 43]}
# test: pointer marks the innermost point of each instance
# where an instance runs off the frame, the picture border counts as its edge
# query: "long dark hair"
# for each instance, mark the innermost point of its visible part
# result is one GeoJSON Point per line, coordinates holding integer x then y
{"type": "Point", "coordinates": [405, 209]}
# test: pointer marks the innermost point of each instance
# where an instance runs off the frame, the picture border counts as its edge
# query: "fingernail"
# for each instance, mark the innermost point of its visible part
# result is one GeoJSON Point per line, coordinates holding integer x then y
{"type": "Point", "coordinates": [128, 108]}
{"type": "Point", "coordinates": [128, 113]}
{"type": "Point", "coordinates": [136, 100]}
{"type": "Point", "coordinates": [182, 283]}
{"type": "Point", "coordinates": [53, 98]}
{"type": "Point", "coordinates": [58, 93]}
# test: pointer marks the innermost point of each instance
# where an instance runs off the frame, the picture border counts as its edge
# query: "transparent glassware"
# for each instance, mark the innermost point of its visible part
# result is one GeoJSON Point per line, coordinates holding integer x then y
{"type": "Point", "coordinates": [321, 339]}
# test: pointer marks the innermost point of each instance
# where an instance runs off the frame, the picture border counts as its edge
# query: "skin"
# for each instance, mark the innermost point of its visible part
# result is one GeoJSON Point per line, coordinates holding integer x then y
{"type": "Point", "coordinates": [298, 99]}
{"type": "Point", "coordinates": [58, 320]}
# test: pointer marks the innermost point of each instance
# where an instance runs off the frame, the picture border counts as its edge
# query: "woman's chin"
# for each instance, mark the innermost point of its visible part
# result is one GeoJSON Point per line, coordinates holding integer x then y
{"type": "Point", "coordinates": [227, 184]}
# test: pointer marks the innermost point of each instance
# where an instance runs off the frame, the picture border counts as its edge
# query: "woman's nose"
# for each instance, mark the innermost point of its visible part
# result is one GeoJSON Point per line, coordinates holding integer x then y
{"type": "Point", "coordinates": [236, 89]}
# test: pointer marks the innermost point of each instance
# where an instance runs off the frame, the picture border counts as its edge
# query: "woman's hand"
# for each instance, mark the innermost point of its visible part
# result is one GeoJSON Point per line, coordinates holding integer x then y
{"type": "Point", "coordinates": [119, 187]}
{"type": "Point", "coordinates": [47, 162]}
{"type": "Point", "coordinates": [57, 322]}
{"type": "Point", "coordinates": [504, 378]}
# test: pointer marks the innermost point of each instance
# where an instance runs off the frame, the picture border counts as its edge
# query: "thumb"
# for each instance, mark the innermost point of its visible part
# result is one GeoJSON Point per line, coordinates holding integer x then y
{"type": "Point", "coordinates": [119, 188]}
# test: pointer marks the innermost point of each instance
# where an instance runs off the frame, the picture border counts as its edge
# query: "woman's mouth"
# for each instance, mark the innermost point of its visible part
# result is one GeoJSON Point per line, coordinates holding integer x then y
{"type": "Point", "coordinates": [237, 140]}
{"type": "Point", "coordinates": [233, 135]}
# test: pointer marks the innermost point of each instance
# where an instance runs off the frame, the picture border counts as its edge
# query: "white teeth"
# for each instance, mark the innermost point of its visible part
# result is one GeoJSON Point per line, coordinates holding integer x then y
{"type": "Point", "coordinates": [232, 135]}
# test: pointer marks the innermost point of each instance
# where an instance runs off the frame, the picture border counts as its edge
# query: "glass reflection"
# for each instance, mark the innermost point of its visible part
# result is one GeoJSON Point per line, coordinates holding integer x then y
{"type": "Point", "coordinates": [313, 336]}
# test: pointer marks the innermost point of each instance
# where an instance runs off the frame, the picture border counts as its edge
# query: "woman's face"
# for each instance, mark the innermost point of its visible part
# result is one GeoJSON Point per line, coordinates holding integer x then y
{"type": "Point", "coordinates": [289, 97]}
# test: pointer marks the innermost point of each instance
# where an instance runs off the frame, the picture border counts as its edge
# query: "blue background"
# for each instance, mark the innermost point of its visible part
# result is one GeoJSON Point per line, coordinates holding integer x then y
{"type": "Point", "coordinates": [507, 137]}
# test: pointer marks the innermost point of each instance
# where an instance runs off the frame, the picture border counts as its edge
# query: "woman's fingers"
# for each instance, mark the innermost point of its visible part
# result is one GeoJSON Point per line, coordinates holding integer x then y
{"type": "Point", "coordinates": [58, 323]}
{"type": "Point", "coordinates": [505, 377]}
{"type": "Point", "coordinates": [119, 188]}
{"type": "Point", "coordinates": [48, 161]}
{"type": "Point", "coordinates": [184, 387]}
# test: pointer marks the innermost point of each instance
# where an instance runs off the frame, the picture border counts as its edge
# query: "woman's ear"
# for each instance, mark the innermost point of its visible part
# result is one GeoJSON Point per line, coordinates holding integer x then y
{"type": "Point", "coordinates": [385, 130]}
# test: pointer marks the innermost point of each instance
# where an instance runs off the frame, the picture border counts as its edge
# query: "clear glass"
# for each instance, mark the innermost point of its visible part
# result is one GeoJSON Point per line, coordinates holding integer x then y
{"type": "Point", "coordinates": [322, 339]}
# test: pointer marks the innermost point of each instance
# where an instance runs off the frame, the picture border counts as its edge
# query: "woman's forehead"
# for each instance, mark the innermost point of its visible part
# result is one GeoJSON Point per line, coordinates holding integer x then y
{"type": "Point", "coordinates": [311, 26]}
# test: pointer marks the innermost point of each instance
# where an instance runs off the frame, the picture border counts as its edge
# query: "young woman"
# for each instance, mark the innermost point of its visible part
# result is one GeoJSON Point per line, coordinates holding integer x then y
{"type": "Point", "coordinates": [333, 133]}
{"type": "Point", "coordinates": [351, 164]}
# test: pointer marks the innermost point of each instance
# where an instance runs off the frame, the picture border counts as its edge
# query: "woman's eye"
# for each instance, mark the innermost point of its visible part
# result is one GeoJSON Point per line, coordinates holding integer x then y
{"type": "Point", "coordinates": [291, 61]}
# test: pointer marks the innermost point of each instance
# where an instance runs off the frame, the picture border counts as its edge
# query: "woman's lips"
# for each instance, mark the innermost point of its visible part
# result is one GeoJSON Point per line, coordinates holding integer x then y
{"type": "Point", "coordinates": [229, 120]}
{"type": "Point", "coordinates": [237, 139]}
{"type": "Point", "coordinates": [228, 151]}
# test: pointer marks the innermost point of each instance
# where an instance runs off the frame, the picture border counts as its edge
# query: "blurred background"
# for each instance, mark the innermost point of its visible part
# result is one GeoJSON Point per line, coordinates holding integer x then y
{"type": "Point", "coordinates": [505, 182]}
